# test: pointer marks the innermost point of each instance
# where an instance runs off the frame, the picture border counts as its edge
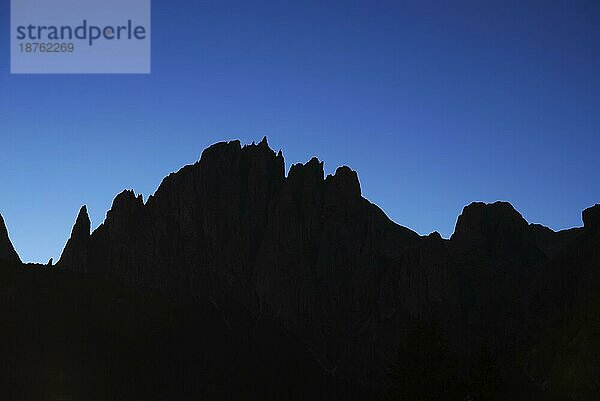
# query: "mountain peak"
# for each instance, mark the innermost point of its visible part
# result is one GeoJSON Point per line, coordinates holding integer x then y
{"type": "Point", "coordinates": [82, 224]}
{"type": "Point", "coordinates": [7, 251]}
{"type": "Point", "coordinates": [75, 254]}
{"type": "Point", "coordinates": [313, 167]}
{"type": "Point", "coordinates": [125, 204]}
{"type": "Point", "coordinates": [221, 151]}
{"type": "Point", "coordinates": [496, 229]}
{"type": "Point", "coordinates": [591, 218]}
{"type": "Point", "coordinates": [480, 219]}
{"type": "Point", "coordinates": [345, 181]}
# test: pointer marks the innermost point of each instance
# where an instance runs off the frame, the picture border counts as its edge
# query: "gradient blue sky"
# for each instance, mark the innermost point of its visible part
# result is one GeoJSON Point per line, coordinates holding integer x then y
{"type": "Point", "coordinates": [435, 104]}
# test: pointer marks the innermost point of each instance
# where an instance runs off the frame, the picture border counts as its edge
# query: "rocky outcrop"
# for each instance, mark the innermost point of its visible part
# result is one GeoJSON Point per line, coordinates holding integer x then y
{"type": "Point", "coordinates": [7, 251]}
{"type": "Point", "coordinates": [591, 219]}
{"type": "Point", "coordinates": [496, 231]}
{"type": "Point", "coordinates": [76, 252]}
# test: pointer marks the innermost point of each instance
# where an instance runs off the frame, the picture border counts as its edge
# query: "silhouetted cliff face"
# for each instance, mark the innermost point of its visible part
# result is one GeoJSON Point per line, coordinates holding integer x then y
{"type": "Point", "coordinates": [306, 249]}
{"type": "Point", "coordinates": [311, 254]}
{"type": "Point", "coordinates": [7, 251]}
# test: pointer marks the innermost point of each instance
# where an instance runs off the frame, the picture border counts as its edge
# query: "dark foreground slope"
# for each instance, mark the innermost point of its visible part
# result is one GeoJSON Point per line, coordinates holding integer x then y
{"type": "Point", "coordinates": [266, 286]}
{"type": "Point", "coordinates": [68, 336]}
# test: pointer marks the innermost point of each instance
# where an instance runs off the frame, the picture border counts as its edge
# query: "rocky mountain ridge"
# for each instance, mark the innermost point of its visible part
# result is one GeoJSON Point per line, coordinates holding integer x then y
{"type": "Point", "coordinates": [311, 254]}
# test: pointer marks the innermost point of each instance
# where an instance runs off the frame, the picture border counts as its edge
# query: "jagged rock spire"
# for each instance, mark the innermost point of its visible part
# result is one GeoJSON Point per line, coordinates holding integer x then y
{"type": "Point", "coordinates": [75, 254]}
{"type": "Point", "coordinates": [7, 251]}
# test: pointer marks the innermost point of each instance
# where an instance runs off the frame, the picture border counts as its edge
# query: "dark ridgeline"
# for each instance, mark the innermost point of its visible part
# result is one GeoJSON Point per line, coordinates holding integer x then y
{"type": "Point", "coordinates": [241, 283]}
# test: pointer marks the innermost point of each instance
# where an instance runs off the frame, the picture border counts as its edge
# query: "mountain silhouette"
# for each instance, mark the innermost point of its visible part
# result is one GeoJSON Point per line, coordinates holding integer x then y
{"type": "Point", "coordinates": [297, 287]}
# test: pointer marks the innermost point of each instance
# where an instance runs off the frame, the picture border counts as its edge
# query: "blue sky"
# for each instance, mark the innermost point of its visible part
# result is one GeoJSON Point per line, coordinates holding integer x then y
{"type": "Point", "coordinates": [435, 104]}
